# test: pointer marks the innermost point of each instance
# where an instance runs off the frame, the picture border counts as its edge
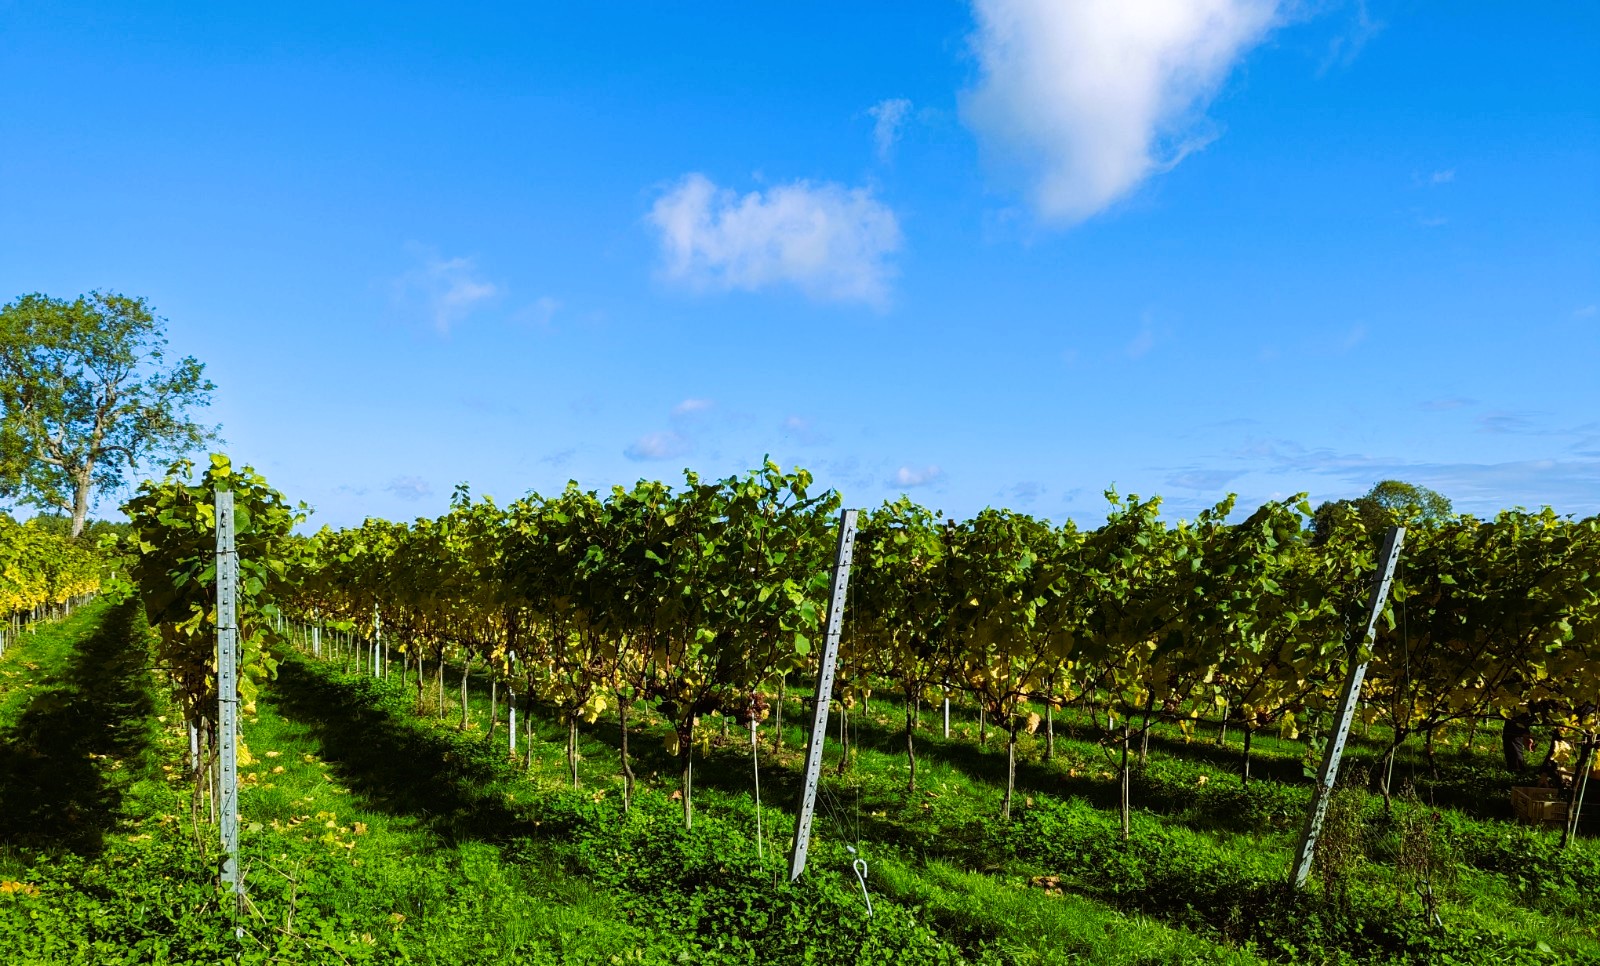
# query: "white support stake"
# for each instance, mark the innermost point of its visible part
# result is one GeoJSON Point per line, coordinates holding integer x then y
{"type": "Point", "coordinates": [228, 687]}
{"type": "Point", "coordinates": [1348, 699]}
{"type": "Point", "coordinates": [819, 724]}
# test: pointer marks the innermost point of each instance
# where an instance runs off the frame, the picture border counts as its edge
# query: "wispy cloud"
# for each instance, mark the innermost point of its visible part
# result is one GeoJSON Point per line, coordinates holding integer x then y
{"type": "Point", "coordinates": [1346, 45]}
{"type": "Point", "coordinates": [1445, 404]}
{"type": "Point", "coordinates": [411, 488]}
{"type": "Point", "coordinates": [559, 458]}
{"type": "Point", "coordinates": [1024, 493]}
{"type": "Point", "coordinates": [1586, 312]}
{"type": "Point", "coordinates": [802, 431]}
{"type": "Point", "coordinates": [1513, 424]}
{"type": "Point", "coordinates": [692, 407]}
{"type": "Point", "coordinates": [1142, 342]}
{"type": "Point", "coordinates": [1085, 100]}
{"type": "Point", "coordinates": [1199, 479]}
{"type": "Point", "coordinates": [831, 242]}
{"type": "Point", "coordinates": [443, 290]}
{"type": "Point", "coordinates": [914, 476]}
{"type": "Point", "coordinates": [664, 445]}
{"type": "Point", "coordinates": [541, 314]}
{"type": "Point", "coordinates": [888, 118]}
{"type": "Point", "coordinates": [1569, 485]}
{"type": "Point", "coordinates": [1442, 177]}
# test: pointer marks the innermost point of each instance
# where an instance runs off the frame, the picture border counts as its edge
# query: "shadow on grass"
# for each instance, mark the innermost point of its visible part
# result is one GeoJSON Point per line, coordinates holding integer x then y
{"type": "Point", "coordinates": [83, 738]}
{"type": "Point", "coordinates": [400, 766]}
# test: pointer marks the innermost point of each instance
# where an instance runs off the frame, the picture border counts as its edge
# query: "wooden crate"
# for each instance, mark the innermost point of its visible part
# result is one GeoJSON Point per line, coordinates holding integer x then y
{"type": "Point", "coordinates": [1538, 805]}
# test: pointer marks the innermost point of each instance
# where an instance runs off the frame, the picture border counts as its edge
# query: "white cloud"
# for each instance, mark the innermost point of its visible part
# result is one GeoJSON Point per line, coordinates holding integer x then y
{"type": "Point", "coordinates": [1086, 99]}
{"type": "Point", "coordinates": [1442, 177]}
{"type": "Point", "coordinates": [409, 487]}
{"type": "Point", "coordinates": [690, 407]}
{"type": "Point", "coordinates": [658, 446]}
{"type": "Point", "coordinates": [888, 117]}
{"type": "Point", "coordinates": [910, 476]}
{"type": "Point", "coordinates": [446, 290]}
{"type": "Point", "coordinates": [1586, 312]}
{"type": "Point", "coordinates": [831, 242]}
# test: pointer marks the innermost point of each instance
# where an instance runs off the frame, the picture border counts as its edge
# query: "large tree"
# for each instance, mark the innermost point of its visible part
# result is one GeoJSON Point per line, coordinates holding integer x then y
{"type": "Point", "coordinates": [1388, 503]}
{"type": "Point", "coordinates": [86, 395]}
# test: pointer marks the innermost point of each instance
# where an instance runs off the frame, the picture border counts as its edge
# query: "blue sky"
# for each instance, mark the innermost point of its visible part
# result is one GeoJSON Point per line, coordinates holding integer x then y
{"type": "Point", "coordinates": [1006, 252]}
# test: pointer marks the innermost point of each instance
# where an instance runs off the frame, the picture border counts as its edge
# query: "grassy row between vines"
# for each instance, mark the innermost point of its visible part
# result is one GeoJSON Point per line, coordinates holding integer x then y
{"type": "Point", "coordinates": [377, 835]}
{"type": "Point", "coordinates": [1207, 854]}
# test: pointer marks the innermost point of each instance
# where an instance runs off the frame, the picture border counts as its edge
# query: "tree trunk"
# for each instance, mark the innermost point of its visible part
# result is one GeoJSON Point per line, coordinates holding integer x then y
{"type": "Point", "coordinates": [572, 746]}
{"type": "Point", "coordinates": [627, 767]}
{"type": "Point", "coordinates": [686, 775]}
{"type": "Point", "coordinates": [1244, 765]}
{"type": "Point", "coordinates": [1383, 778]}
{"type": "Point", "coordinates": [911, 745]}
{"type": "Point", "coordinates": [1011, 771]}
{"type": "Point", "coordinates": [983, 726]}
{"type": "Point", "coordinates": [1427, 751]}
{"type": "Point", "coordinates": [494, 704]}
{"type": "Point", "coordinates": [466, 666]}
{"type": "Point", "coordinates": [1580, 779]}
{"type": "Point", "coordinates": [777, 717]}
{"type": "Point", "coordinates": [1144, 732]}
{"type": "Point", "coordinates": [438, 675]}
{"type": "Point", "coordinates": [844, 737]}
{"type": "Point", "coordinates": [1127, 778]}
{"type": "Point", "coordinates": [1050, 722]}
{"type": "Point", "coordinates": [527, 733]}
{"type": "Point", "coordinates": [80, 498]}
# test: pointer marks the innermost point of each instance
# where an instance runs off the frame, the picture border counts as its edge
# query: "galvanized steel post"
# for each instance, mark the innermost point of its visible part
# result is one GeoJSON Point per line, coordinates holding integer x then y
{"type": "Point", "coordinates": [228, 687]}
{"type": "Point", "coordinates": [1329, 771]}
{"type": "Point", "coordinates": [819, 724]}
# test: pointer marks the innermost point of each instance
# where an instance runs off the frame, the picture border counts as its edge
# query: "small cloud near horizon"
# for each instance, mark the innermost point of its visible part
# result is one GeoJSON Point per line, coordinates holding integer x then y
{"type": "Point", "coordinates": [914, 476]}
{"type": "Point", "coordinates": [692, 407]}
{"type": "Point", "coordinates": [664, 445]}
{"type": "Point", "coordinates": [410, 488]}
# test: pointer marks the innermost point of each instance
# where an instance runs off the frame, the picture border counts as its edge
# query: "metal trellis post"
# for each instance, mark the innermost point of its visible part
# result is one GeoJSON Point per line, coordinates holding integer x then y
{"type": "Point", "coordinates": [1329, 771]}
{"type": "Point", "coordinates": [819, 724]}
{"type": "Point", "coordinates": [228, 687]}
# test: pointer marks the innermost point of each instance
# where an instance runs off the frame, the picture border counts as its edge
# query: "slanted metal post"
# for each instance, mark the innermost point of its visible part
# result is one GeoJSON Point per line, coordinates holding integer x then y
{"type": "Point", "coordinates": [1329, 771]}
{"type": "Point", "coordinates": [228, 687]}
{"type": "Point", "coordinates": [819, 724]}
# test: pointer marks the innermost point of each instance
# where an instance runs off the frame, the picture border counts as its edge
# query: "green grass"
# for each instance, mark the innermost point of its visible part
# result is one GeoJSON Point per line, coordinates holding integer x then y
{"type": "Point", "coordinates": [375, 835]}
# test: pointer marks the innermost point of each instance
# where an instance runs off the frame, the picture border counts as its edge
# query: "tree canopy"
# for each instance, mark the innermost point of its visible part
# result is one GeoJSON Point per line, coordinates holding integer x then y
{"type": "Point", "coordinates": [87, 394]}
{"type": "Point", "coordinates": [1388, 503]}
